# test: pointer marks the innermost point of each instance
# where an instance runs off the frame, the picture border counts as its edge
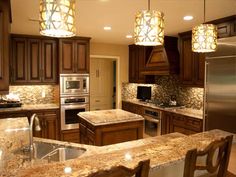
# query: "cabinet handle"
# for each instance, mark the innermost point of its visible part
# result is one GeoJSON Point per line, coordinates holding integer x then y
{"type": "Point", "coordinates": [97, 101]}
{"type": "Point", "coordinates": [98, 73]}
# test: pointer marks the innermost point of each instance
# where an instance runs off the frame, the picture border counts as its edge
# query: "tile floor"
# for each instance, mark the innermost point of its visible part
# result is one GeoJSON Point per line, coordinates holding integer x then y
{"type": "Point", "coordinates": [232, 162]}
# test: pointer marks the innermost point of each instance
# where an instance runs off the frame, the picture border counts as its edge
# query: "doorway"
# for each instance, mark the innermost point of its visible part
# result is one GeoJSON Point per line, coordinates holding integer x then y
{"type": "Point", "coordinates": [103, 83]}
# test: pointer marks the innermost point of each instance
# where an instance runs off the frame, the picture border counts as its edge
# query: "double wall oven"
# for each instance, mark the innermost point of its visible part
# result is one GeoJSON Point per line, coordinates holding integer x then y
{"type": "Point", "coordinates": [74, 98]}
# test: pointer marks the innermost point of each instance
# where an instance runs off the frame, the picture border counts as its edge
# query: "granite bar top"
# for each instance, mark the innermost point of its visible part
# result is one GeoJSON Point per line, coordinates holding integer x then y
{"type": "Point", "coordinates": [28, 107]}
{"type": "Point", "coordinates": [162, 151]}
{"type": "Point", "coordinates": [105, 117]}
{"type": "Point", "coordinates": [183, 111]}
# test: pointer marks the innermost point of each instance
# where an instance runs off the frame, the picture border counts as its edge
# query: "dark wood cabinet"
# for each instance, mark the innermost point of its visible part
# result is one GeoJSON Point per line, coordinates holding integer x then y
{"type": "Point", "coordinates": [34, 60]}
{"type": "Point", "coordinates": [180, 123]}
{"type": "Point", "coordinates": [5, 19]}
{"type": "Point", "coordinates": [192, 65]}
{"type": "Point", "coordinates": [134, 108]}
{"type": "Point", "coordinates": [49, 121]}
{"type": "Point", "coordinates": [74, 55]}
{"type": "Point", "coordinates": [138, 56]}
{"type": "Point", "coordinates": [71, 135]}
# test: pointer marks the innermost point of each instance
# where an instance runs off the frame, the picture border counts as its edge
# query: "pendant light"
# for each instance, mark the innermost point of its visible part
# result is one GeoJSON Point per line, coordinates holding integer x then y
{"type": "Point", "coordinates": [57, 18]}
{"type": "Point", "coordinates": [149, 27]}
{"type": "Point", "coordinates": [204, 37]}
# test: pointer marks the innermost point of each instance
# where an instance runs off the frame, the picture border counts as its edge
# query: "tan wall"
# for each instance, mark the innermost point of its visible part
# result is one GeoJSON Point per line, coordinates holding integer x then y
{"type": "Point", "coordinates": [120, 51]}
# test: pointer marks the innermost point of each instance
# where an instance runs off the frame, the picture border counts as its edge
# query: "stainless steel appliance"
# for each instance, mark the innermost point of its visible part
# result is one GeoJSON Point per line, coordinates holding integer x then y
{"type": "Point", "coordinates": [74, 84]}
{"type": "Point", "coordinates": [152, 122]}
{"type": "Point", "coordinates": [220, 87]}
{"type": "Point", "coordinates": [74, 98]}
{"type": "Point", "coordinates": [70, 107]}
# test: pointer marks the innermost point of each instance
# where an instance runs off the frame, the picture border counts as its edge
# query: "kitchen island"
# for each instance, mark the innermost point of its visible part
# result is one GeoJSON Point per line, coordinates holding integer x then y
{"type": "Point", "coordinates": [109, 127]}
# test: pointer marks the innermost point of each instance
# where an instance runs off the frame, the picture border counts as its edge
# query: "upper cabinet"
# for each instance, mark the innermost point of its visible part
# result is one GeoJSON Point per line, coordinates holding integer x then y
{"type": "Point", "coordinates": [33, 60]}
{"type": "Point", "coordinates": [5, 19]}
{"type": "Point", "coordinates": [138, 56]}
{"type": "Point", "coordinates": [74, 55]}
{"type": "Point", "coordinates": [192, 65]}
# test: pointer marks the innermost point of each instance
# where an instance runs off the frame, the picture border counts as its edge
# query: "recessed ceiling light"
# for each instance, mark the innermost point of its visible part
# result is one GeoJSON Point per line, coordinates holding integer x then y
{"type": "Point", "coordinates": [129, 36]}
{"type": "Point", "coordinates": [188, 17]}
{"type": "Point", "coordinates": [107, 28]}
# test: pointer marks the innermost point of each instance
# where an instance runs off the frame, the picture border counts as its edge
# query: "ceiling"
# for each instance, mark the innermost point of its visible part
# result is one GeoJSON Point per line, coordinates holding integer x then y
{"type": "Point", "coordinates": [93, 15]}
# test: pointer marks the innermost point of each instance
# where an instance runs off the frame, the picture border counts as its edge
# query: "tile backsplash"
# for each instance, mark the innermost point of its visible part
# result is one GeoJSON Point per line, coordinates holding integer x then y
{"type": "Point", "coordinates": [36, 94]}
{"type": "Point", "coordinates": [164, 88]}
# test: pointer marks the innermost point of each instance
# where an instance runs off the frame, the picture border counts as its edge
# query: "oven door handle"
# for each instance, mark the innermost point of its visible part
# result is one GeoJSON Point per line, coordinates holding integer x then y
{"type": "Point", "coordinates": [151, 119]}
{"type": "Point", "coordinates": [74, 106]}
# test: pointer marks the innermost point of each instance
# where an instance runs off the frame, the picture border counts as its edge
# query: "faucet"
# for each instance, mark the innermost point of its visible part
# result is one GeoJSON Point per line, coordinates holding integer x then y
{"type": "Point", "coordinates": [37, 128]}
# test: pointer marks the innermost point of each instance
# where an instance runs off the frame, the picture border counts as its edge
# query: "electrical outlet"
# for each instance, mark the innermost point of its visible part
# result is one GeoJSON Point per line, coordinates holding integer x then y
{"type": "Point", "coordinates": [43, 94]}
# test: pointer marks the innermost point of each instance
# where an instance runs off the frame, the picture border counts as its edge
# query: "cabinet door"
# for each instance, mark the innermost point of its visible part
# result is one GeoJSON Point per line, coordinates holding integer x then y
{"type": "Point", "coordinates": [177, 124]}
{"type": "Point", "coordinates": [233, 28]}
{"type": "Point", "coordinates": [66, 56]}
{"type": "Point", "coordinates": [49, 61]}
{"type": "Point", "coordinates": [19, 61]}
{"type": "Point", "coordinates": [4, 46]}
{"type": "Point", "coordinates": [41, 133]}
{"type": "Point", "coordinates": [132, 64]}
{"type": "Point", "coordinates": [199, 63]}
{"type": "Point", "coordinates": [223, 30]}
{"type": "Point", "coordinates": [51, 126]}
{"type": "Point", "coordinates": [34, 60]}
{"type": "Point", "coordinates": [187, 67]}
{"type": "Point", "coordinates": [81, 56]}
{"type": "Point", "coordinates": [141, 64]}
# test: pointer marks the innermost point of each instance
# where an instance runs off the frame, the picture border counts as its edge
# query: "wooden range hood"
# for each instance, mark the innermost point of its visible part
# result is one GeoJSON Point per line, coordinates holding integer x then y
{"type": "Point", "coordinates": [163, 60]}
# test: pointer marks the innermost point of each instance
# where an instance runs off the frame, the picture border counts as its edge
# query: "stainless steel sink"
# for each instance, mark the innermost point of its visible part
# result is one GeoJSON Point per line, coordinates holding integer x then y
{"type": "Point", "coordinates": [53, 152]}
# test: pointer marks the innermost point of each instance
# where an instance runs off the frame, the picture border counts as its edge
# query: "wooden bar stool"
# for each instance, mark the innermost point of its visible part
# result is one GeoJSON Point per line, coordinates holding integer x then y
{"type": "Point", "coordinates": [216, 164]}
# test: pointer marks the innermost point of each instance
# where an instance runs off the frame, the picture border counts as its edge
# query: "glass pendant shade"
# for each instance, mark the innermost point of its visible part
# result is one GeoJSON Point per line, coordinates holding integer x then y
{"type": "Point", "coordinates": [57, 18]}
{"type": "Point", "coordinates": [204, 38]}
{"type": "Point", "coordinates": [149, 28]}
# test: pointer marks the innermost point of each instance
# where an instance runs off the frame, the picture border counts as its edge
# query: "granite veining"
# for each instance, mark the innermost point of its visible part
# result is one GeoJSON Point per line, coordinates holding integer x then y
{"type": "Point", "coordinates": [104, 117]}
{"type": "Point", "coordinates": [183, 111]}
{"type": "Point", "coordinates": [162, 151]}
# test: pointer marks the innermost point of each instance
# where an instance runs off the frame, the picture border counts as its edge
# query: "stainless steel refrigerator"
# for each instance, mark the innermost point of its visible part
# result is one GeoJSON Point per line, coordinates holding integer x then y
{"type": "Point", "coordinates": [220, 87]}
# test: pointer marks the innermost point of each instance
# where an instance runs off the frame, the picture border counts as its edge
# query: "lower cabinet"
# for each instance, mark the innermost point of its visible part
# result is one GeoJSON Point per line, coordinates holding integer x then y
{"type": "Point", "coordinates": [131, 107]}
{"type": "Point", "coordinates": [180, 123]}
{"type": "Point", "coordinates": [49, 121]}
{"type": "Point", "coordinates": [71, 135]}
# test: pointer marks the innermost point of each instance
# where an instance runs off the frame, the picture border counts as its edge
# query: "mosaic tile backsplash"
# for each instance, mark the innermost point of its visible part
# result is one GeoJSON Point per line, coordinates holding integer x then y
{"type": "Point", "coordinates": [36, 94]}
{"type": "Point", "coordinates": [164, 88]}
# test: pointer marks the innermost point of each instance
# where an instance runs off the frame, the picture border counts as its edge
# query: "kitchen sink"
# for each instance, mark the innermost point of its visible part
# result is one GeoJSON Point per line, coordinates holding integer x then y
{"type": "Point", "coordinates": [53, 152]}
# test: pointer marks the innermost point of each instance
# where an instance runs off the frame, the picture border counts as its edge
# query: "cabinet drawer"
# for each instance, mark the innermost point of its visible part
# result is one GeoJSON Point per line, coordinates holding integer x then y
{"type": "Point", "coordinates": [178, 120]}
{"type": "Point", "coordinates": [193, 123]}
{"type": "Point", "coordinates": [71, 136]}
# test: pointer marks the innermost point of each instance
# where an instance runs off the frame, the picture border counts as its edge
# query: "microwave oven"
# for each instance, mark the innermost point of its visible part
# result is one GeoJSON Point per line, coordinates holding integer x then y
{"type": "Point", "coordinates": [74, 84]}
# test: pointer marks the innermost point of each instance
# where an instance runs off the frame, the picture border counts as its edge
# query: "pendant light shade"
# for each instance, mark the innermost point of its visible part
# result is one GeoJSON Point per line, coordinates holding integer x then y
{"type": "Point", "coordinates": [204, 37]}
{"type": "Point", "coordinates": [149, 28]}
{"type": "Point", "coordinates": [57, 18]}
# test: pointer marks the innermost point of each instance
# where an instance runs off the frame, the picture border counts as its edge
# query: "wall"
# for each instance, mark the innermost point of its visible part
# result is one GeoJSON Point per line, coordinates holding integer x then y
{"type": "Point", "coordinates": [33, 94]}
{"type": "Point", "coordinates": [120, 51]}
{"type": "Point", "coordinates": [164, 87]}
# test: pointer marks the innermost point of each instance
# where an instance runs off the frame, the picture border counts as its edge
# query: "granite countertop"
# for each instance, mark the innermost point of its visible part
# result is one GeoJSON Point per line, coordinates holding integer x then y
{"type": "Point", "coordinates": [105, 117]}
{"type": "Point", "coordinates": [28, 107]}
{"type": "Point", "coordinates": [183, 111]}
{"type": "Point", "coordinates": [163, 151]}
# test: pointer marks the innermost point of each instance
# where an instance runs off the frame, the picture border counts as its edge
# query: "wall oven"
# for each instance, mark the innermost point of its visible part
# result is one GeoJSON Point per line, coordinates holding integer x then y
{"type": "Point", "coordinates": [70, 107]}
{"type": "Point", "coordinates": [152, 122]}
{"type": "Point", "coordinates": [74, 84]}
